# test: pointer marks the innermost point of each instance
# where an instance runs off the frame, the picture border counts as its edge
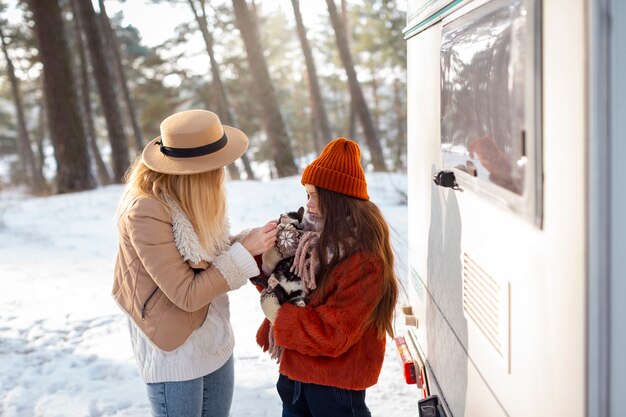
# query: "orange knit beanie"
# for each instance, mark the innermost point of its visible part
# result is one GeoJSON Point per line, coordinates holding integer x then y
{"type": "Point", "coordinates": [338, 169]}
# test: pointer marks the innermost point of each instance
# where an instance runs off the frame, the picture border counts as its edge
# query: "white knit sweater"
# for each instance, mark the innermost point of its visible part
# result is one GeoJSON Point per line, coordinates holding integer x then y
{"type": "Point", "coordinates": [210, 346]}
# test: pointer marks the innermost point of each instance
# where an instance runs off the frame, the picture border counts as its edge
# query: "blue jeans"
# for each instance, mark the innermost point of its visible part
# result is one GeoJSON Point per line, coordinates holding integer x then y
{"type": "Point", "coordinates": [208, 396]}
{"type": "Point", "coordinates": [312, 400]}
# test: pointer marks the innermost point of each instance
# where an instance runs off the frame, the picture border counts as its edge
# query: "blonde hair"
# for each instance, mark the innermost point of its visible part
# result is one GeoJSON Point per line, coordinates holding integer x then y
{"type": "Point", "coordinates": [202, 197]}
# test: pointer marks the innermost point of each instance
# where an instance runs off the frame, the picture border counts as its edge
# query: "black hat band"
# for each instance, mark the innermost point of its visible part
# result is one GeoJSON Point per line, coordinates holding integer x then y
{"type": "Point", "coordinates": [193, 152]}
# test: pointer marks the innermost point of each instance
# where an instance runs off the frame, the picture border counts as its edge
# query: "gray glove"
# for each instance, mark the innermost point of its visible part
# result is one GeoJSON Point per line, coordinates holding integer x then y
{"type": "Point", "coordinates": [287, 239]}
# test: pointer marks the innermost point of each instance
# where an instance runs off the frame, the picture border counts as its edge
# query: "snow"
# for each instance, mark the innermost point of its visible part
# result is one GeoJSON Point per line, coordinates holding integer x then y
{"type": "Point", "coordinates": [64, 343]}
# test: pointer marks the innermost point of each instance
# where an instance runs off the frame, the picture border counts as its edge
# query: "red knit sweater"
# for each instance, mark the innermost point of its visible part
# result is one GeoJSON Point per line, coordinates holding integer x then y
{"type": "Point", "coordinates": [329, 342]}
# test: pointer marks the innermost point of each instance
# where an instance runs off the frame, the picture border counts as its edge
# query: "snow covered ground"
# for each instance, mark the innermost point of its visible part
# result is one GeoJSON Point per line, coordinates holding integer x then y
{"type": "Point", "coordinates": [64, 344]}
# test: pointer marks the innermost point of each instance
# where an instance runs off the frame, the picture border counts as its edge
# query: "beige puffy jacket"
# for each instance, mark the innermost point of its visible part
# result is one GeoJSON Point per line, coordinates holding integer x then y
{"type": "Point", "coordinates": [163, 278]}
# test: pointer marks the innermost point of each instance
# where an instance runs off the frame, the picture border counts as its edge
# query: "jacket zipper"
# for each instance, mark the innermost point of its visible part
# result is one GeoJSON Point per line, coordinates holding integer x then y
{"type": "Point", "coordinates": [143, 308]}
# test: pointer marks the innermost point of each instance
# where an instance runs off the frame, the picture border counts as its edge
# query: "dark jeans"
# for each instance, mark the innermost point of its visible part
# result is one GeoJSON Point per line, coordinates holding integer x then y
{"type": "Point", "coordinates": [312, 400]}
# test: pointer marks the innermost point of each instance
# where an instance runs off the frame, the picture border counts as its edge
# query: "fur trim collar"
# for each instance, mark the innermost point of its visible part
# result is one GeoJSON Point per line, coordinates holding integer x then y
{"type": "Point", "coordinates": [187, 240]}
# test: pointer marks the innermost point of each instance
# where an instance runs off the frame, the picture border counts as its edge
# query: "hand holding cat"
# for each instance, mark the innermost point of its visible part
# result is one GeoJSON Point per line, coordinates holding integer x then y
{"type": "Point", "coordinates": [270, 306]}
{"type": "Point", "coordinates": [260, 239]}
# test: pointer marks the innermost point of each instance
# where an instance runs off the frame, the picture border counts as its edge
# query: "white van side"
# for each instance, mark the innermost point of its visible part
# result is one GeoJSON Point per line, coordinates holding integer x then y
{"type": "Point", "coordinates": [517, 276]}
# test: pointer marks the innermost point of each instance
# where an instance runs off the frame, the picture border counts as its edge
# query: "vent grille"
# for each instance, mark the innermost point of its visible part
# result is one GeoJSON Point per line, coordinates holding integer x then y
{"type": "Point", "coordinates": [485, 302]}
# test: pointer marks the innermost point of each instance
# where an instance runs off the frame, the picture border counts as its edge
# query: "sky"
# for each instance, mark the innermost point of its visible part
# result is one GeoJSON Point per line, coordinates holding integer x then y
{"type": "Point", "coordinates": [157, 23]}
{"type": "Point", "coordinates": [65, 348]}
{"type": "Point", "coordinates": [164, 17]}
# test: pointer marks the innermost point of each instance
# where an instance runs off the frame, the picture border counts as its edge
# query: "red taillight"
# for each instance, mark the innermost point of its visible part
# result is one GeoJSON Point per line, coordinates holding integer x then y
{"type": "Point", "coordinates": [407, 361]}
{"type": "Point", "coordinates": [421, 382]}
{"type": "Point", "coordinates": [417, 356]}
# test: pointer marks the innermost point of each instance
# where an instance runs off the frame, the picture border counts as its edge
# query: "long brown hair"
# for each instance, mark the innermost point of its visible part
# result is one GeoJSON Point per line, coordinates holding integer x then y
{"type": "Point", "coordinates": [202, 197]}
{"type": "Point", "coordinates": [351, 225]}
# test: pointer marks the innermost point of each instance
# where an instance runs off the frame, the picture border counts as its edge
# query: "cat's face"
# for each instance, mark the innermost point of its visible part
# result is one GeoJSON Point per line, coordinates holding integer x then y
{"type": "Point", "coordinates": [292, 217]}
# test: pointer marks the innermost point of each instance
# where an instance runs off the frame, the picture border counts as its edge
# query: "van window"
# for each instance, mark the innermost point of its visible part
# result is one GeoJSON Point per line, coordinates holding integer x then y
{"type": "Point", "coordinates": [484, 94]}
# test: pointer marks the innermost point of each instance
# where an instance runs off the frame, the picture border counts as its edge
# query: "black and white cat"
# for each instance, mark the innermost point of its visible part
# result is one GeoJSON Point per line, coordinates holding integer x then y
{"type": "Point", "coordinates": [285, 284]}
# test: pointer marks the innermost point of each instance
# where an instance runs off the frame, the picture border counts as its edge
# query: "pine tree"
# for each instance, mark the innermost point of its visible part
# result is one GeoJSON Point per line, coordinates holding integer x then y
{"type": "Point", "coordinates": [66, 129]}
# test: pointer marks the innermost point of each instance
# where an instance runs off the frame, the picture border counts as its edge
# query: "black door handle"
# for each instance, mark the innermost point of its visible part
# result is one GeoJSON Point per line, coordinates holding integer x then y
{"type": "Point", "coordinates": [446, 179]}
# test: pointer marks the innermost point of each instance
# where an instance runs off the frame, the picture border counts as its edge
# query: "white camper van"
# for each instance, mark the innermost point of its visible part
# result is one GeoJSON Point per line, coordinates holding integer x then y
{"type": "Point", "coordinates": [517, 207]}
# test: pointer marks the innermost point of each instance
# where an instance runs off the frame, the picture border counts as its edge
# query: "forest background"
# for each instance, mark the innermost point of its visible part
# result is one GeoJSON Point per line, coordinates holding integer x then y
{"type": "Point", "coordinates": [85, 84]}
{"type": "Point", "coordinates": [81, 92]}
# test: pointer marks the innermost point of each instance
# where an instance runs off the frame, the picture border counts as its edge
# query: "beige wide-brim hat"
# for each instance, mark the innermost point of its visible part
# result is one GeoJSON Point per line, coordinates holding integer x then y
{"type": "Point", "coordinates": [192, 142]}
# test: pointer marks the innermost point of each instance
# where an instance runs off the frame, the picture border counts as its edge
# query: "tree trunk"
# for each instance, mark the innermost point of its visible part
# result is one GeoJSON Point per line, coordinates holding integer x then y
{"type": "Point", "coordinates": [85, 95]}
{"type": "Point", "coordinates": [106, 88]}
{"type": "Point", "coordinates": [265, 92]}
{"type": "Point", "coordinates": [316, 134]}
{"type": "Point", "coordinates": [352, 120]}
{"type": "Point", "coordinates": [244, 158]}
{"type": "Point", "coordinates": [223, 106]}
{"type": "Point", "coordinates": [376, 98]}
{"type": "Point", "coordinates": [356, 92]}
{"type": "Point", "coordinates": [41, 133]}
{"type": "Point", "coordinates": [66, 129]}
{"type": "Point", "coordinates": [319, 110]}
{"type": "Point", "coordinates": [114, 47]}
{"type": "Point", "coordinates": [401, 121]}
{"type": "Point", "coordinates": [345, 18]}
{"type": "Point", "coordinates": [29, 169]}
{"type": "Point", "coordinates": [247, 166]}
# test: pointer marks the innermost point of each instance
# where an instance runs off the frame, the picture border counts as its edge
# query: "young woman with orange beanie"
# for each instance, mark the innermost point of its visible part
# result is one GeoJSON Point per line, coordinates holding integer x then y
{"type": "Point", "coordinates": [333, 349]}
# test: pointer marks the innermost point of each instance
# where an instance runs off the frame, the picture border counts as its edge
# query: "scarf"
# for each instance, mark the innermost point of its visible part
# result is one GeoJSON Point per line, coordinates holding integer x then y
{"type": "Point", "coordinates": [305, 265]}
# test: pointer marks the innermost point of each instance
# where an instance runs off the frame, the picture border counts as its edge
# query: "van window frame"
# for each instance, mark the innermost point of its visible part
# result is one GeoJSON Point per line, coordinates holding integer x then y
{"type": "Point", "coordinates": [528, 204]}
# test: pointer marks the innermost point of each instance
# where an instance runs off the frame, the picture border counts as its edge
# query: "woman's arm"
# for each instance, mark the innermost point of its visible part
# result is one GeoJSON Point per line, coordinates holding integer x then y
{"type": "Point", "coordinates": [150, 232]}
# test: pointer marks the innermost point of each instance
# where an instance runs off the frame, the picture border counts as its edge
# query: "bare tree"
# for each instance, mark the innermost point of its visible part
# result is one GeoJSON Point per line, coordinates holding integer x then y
{"type": "Point", "coordinates": [317, 101]}
{"type": "Point", "coordinates": [40, 134]}
{"type": "Point", "coordinates": [345, 18]}
{"type": "Point", "coordinates": [29, 169]}
{"type": "Point", "coordinates": [225, 111]}
{"type": "Point", "coordinates": [66, 129]}
{"type": "Point", "coordinates": [375, 96]}
{"type": "Point", "coordinates": [401, 122]}
{"type": "Point", "coordinates": [265, 92]}
{"type": "Point", "coordinates": [85, 95]}
{"type": "Point", "coordinates": [356, 93]}
{"type": "Point", "coordinates": [106, 88]}
{"type": "Point", "coordinates": [116, 56]}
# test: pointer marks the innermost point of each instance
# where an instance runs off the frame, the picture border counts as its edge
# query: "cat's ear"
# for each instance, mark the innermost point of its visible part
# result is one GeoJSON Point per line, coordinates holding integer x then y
{"type": "Point", "coordinates": [300, 213]}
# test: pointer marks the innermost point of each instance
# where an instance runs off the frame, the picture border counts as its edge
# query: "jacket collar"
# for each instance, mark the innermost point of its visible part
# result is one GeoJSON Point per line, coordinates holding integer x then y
{"type": "Point", "coordinates": [187, 240]}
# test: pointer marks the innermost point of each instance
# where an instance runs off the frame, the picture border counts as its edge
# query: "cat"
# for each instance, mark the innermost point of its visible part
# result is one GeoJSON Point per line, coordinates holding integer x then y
{"type": "Point", "coordinates": [286, 285]}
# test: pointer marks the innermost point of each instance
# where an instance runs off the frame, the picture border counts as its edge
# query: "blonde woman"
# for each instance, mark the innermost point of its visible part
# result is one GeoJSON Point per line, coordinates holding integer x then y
{"type": "Point", "coordinates": [177, 262]}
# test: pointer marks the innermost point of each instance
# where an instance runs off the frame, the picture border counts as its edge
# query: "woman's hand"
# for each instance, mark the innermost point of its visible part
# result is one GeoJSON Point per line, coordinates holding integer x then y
{"type": "Point", "coordinates": [260, 239]}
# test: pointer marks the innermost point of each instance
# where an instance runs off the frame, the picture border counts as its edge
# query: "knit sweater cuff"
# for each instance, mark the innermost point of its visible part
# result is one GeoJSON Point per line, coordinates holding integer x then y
{"type": "Point", "coordinates": [236, 265]}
